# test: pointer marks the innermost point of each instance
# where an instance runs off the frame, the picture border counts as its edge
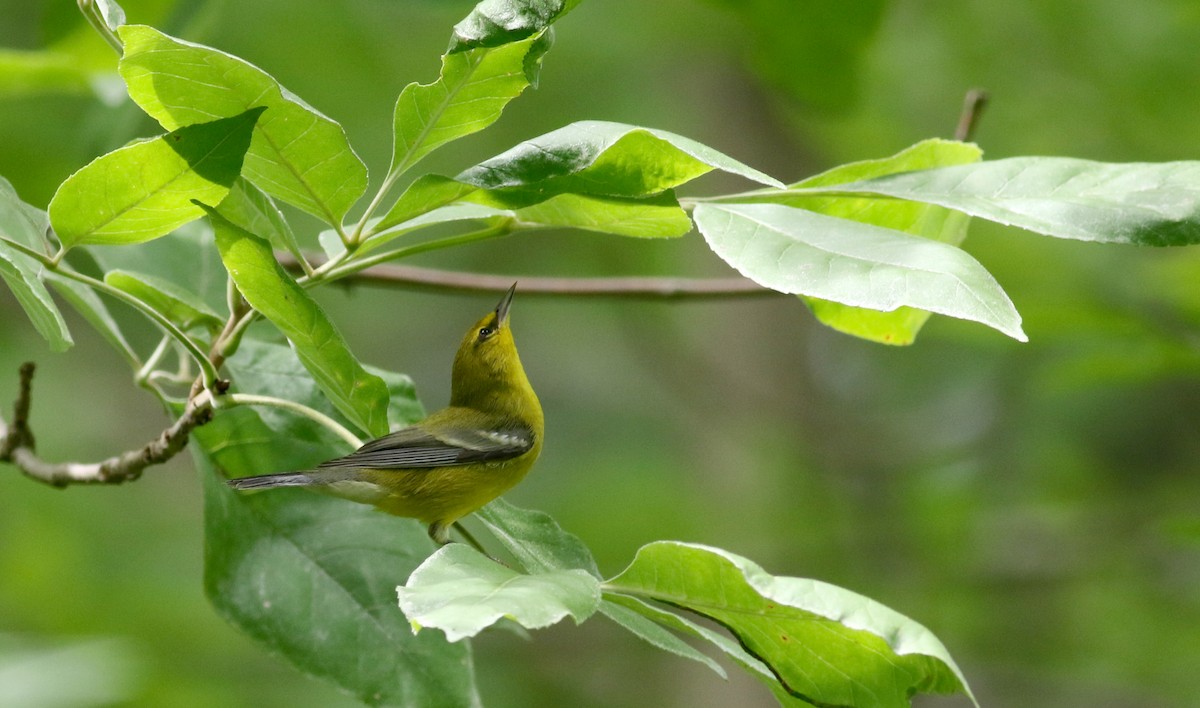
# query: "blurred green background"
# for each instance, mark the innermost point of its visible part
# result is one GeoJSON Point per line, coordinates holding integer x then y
{"type": "Point", "coordinates": [1037, 506]}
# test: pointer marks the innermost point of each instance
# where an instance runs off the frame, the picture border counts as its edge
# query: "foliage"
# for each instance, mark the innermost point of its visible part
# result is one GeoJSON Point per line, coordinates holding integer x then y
{"type": "Point", "coordinates": [871, 247]}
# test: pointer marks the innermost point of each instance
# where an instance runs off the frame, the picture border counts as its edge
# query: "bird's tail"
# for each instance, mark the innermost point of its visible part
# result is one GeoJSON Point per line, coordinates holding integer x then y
{"type": "Point", "coordinates": [269, 481]}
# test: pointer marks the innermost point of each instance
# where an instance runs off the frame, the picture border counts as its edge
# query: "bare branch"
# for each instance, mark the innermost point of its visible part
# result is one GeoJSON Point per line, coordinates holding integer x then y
{"type": "Point", "coordinates": [17, 446]}
{"type": "Point", "coordinates": [633, 287]}
{"type": "Point", "coordinates": [973, 104]}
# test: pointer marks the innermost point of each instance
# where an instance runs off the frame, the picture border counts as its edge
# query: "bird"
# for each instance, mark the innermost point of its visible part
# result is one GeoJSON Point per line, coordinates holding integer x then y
{"type": "Point", "coordinates": [454, 461]}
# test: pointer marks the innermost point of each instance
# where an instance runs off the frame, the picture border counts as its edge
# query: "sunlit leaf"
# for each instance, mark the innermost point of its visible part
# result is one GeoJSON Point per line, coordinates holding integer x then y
{"type": "Point", "coordinates": [250, 208]}
{"type": "Point", "coordinates": [600, 158]}
{"type": "Point", "coordinates": [472, 91]}
{"type": "Point", "coordinates": [462, 592]}
{"type": "Point", "coordinates": [297, 154]}
{"type": "Point", "coordinates": [900, 326]}
{"type": "Point", "coordinates": [360, 396]}
{"type": "Point", "coordinates": [826, 644]}
{"type": "Point", "coordinates": [656, 634]}
{"type": "Point", "coordinates": [145, 190]}
{"type": "Point", "coordinates": [1148, 204]}
{"type": "Point", "coordinates": [805, 253]}
{"type": "Point", "coordinates": [496, 22]}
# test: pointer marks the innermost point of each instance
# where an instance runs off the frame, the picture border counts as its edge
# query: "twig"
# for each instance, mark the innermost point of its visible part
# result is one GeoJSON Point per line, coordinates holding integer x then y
{"type": "Point", "coordinates": [642, 287]}
{"type": "Point", "coordinates": [973, 104]}
{"type": "Point", "coordinates": [17, 445]}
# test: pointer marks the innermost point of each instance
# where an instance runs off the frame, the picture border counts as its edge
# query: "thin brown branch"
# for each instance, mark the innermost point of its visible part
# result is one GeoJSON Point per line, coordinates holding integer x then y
{"type": "Point", "coordinates": [631, 287]}
{"type": "Point", "coordinates": [17, 446]}
{"type": "Point", "coordinates": [973, 104]}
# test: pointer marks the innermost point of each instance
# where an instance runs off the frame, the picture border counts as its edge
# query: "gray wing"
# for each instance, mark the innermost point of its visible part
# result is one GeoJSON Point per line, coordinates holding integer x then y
{"type": "Point", "coordinates": [417, 447]}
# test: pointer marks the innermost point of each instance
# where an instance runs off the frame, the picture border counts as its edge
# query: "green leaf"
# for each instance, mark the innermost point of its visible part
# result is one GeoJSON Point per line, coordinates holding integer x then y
{"type": "Point", "coordinates": [1148, 204]}
{"type": "Point", "coordinates": [901, 325]}
{"type": "Point", "coordinates": [656, 635]}
{"type": "Point", "coordinates": [496, 22]}
{"type": "Point", "coordinates": [600, 158]}
{"type": "Point", "coordinates": [536, 539]}
{"type": "Point", "coordinates": [250, 208]}
{"type": "Point", "coordinates": [273, 369]}
{"type": "Point", "coordinates": [185, 257]}
{"type": "Point", "coordinates": [145, 190]}
{"type": "Point", "coordinates": [462, 592]}
{"type": "Point", "coordinates": [184, 308]}
{"type": "Point", "coordinates": [472, 91]}
{"type": "Point", "coordinates": [801, 252]}
{"type": "Point", "coordinates": [360, 396]}
{"type": "Point", "coordinates": [297, 154]}
{"type": "Point", "coordinates": [21, 275]}
{"type": "Point", "coordinates": [26, 225]}
{"type": "Point", "coordinates": [657, 216]}
{"type": "Point", "coordinates": [89, 305]}
{"type": "Point", "coordinates": [313, 578]}
{"type": "Point", "coordinates": [826, 644]}
{"type": "Point", "coordinates": [434, 199]}
{"type": "Point", "coordinates": [730, 647]}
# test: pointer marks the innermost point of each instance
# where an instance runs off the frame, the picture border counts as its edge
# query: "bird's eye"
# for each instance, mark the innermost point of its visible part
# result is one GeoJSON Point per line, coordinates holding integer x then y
{"type": "Point", "coordinates": [485, 332]}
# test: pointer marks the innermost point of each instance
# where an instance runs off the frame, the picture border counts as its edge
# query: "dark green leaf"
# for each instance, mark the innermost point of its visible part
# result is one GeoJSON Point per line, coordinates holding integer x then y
{"type": "Point", "coordinates": [145, 190]}
{"type": "Point", "coordinates": [1148, 204]}
{"type": "Point", "coordinates": [462, 592]}
{"type": "Point", "coordinates": [600, 158]}
{"type": "Point", "coordinates": [801, 252]}
{"type": "Point", "coordinates": [360, 396]}
{"type": "Point", "coordinates": [314, 578]}
{"type": "Point", "coordinates": [496, 22]}
{"type": "Point", "coordinates": [827, 645]}
{"type": "Point", "coordinates": [297, 154]}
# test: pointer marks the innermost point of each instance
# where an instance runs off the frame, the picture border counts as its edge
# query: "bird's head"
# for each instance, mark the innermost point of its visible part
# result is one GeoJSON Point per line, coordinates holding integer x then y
{"type": "Point", "coordinates": [487, 358]}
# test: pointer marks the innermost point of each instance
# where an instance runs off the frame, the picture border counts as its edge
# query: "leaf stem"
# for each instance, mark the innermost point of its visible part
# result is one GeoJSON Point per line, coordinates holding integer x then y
{"type": "Point", "coordinates": [207, 370]}
{"type": "Point", "coordinates": [353, 266]}
{"type": "Point", "coordinates": [92, 13]}
{"type": "Point", "coordinates": [248, 399]}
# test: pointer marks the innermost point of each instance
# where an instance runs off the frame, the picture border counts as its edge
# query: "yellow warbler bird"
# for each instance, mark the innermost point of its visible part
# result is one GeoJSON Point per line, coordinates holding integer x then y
{"type": "Point", "coordinates": [454, 461]}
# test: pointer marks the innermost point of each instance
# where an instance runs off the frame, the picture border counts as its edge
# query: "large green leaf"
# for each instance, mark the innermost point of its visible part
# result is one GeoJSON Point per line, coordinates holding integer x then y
{"type": "Point", "coordinates": [1148, 204]}
{"type": "Point", "coordinates": [27, 225]}
{"type": "Point", "coordinates": [472, 91]}
{"type": "Point", "coordinates": [297, 154]}
{"type": "Point", "coordinates": [826, 644]}
{"type": "Point", "coordinates": [600, 158]}
{"type": "Point", "coordinates": [462, 592]}
{"type": "Point", "coordinates": [805, 253]}
{"type": "Point", "coordinates": [145, 190]}
{"type": "Point", "coordinates": [496, 22]}
{"type": "Point", "coordinates": [900, 326]}
{"type": "Point", "coordinates": [360, 396]}
{"type": "Point", "coordinates": [314, 578]}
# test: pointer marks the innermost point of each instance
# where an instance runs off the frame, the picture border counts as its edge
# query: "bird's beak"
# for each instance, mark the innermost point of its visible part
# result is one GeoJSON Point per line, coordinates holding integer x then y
{"type": "Point", "coordinates": [505, 303]}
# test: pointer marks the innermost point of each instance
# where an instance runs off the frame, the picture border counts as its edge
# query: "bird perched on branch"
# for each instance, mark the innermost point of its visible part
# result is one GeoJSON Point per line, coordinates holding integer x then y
{"type": "Point", "coordinates": [454, 461]}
